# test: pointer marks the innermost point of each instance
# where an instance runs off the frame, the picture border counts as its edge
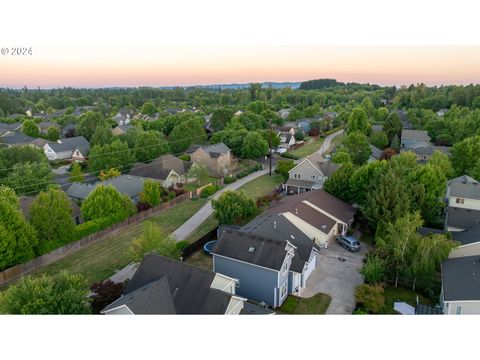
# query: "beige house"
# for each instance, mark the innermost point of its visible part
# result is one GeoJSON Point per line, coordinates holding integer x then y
{"type": "Point", "coordinates": [309, 174]}
{"type": "Point", "coordinates": [167, 169]}
{"type": "Point", "coordinates": [216, 158]}
{"type": "Point", "coordinates": [319, 215]}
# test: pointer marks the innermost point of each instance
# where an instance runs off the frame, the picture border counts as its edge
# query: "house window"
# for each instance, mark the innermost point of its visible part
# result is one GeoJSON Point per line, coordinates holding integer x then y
{"type": "Point", "coordinates": [458, 310]}
{"type": "Point", "coordinates": [298, 176]}
{"type": "Point", "coordinates": [313, 177]}
{"type": "Point", "coordinates": [285, 267]}
{"type": "Point", "coordinates": [460, 201]}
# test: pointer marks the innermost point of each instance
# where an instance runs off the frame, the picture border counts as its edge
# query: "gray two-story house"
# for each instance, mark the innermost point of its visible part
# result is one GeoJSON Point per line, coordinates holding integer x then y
{"type": "Point", "coordinates": [260, 265]}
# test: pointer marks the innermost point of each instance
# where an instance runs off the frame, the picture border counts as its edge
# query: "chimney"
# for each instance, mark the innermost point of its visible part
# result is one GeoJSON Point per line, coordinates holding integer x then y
{"type": "Point", "coordinates": [275, 225]}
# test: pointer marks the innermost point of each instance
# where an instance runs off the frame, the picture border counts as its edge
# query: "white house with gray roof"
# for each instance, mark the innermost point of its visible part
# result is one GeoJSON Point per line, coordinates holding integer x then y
{"type": "Point", "coordinates": [74, 148]}
{"type": "Point", "coordinates": [414, 138]}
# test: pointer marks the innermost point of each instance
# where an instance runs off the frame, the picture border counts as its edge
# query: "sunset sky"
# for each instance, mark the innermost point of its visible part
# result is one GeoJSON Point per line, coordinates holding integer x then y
{"type": "Point", "coordinates": [193, 65]}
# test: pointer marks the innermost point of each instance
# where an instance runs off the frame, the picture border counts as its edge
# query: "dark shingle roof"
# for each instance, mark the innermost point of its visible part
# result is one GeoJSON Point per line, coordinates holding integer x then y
{"type": "Point", "coordinates": [469, 236]}
{"type": "Point", "coordinates": [427, 231]}
{"type": "Point", "coordinates": [189, 286]}
{"type": "Point", "coordinates": [125, 184]}
{"type": "Point", "coordinates": [461, 278]}
{"type": "Point", "coordinates": [376, 152]}
{"type": "Point", "coordinates": [428, 150]}
{"type": "Point", "coordinates": [16, 138]}
{"type": "Point", "coordinates": [415, 135]}
{"type": "Point", "coordinates": [26, 202]}
{"type": "Point", "coordinates": [70, 144]}
{"type": "Point", "coordinates": [215, 150]}
{"type": "Point", "coordinates": [462, 218]}
{"type": "Point", "coordinates": [321, 199]}
{"type": "Point", "coordinates": [264, 252]}
{"type": "Point", "coordinates": [10, 127]}
{"type": "Point", "coordinates": [469, 190]}
{"type": "Point", "coordinates": [278, 227]}
{"type": "Point", "coordinates": [465, 179]}
{"type": "Point", "coordinates": [152, 298]}
{"type": "Point", "coordinates": [159, 168]}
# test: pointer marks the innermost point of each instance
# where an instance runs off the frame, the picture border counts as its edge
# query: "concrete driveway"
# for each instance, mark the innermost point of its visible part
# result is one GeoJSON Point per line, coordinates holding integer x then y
{"type": "Point", "coordinates": [337, 278]}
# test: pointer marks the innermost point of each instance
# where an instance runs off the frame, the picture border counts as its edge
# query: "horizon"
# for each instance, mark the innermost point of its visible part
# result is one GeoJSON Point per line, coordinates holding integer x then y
{"type": "Point", "coordinates": [189, 66]}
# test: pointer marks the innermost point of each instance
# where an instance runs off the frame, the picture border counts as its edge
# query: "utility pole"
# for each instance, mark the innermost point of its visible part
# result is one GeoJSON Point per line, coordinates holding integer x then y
{"type": "Point", "coordinates": [270, 146]}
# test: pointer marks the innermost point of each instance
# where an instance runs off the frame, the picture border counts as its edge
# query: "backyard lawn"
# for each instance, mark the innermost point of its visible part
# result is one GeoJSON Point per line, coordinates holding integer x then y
{"type": "Point", "coordinates": [317, 304]}
{"type": "Point", "coordinates": [311, 145]}
{"type": "Point", "coordinates": [262, 185]}
{"type": "Point", "coordinates": [201, 260]}
{"type": "Point", "coordinates": [100, 260]}
{"type": "Point", "coordinates": [393, 294]}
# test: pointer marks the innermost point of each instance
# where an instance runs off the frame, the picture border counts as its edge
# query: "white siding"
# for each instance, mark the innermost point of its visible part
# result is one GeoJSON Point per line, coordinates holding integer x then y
{"type": "Point", "coordinates": [461, 307]}
{"type": "Point", "coordinates": [467, 203]}
{"type": "Point", "coordinates": [307, 172]}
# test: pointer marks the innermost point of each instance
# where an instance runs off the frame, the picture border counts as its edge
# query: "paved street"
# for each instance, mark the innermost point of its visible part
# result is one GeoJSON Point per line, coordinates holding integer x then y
{"type": "Point", "coordinates": [337, 278]}
{"type": "Point", "coordinates": [201, 215]}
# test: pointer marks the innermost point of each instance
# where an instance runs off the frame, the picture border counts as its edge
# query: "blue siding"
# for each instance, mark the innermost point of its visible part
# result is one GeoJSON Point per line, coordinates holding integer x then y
{"type": "Point", "coordinates": [256, 283]}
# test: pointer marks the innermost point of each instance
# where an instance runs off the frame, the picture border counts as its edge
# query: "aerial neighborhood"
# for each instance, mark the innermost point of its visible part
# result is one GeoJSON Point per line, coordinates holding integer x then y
{"type": "Point", "coordinates": [319, 197]}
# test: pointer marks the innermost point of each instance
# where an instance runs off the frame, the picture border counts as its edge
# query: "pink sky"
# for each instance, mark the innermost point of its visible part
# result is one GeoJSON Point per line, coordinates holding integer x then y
{"type": "Point", "coordinates": [169, 65]}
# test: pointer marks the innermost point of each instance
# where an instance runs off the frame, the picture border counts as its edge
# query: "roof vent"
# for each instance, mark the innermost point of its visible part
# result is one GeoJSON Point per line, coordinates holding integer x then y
{"type": "Point", "coordinates": [251, 249]}
{"type": "Point", "coordinates": [296, 211]}
{"type": "Point", "coordinates": [275, 225]}
{"type": "Point", "coordinates": [292, 237]}
{"type": "Point", "coordinates": [324, 227]}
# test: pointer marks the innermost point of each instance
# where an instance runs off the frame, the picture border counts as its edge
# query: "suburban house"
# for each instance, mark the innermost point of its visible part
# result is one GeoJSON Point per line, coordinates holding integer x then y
{"type": "Point", "coordinates": [217, 157]}
{"type": "Point", "coordinates": [10, 127]}
{"type": "Point", "coordinates": [44, 125]}
{"type": "Point", "coordinates": [121, 129]}
{"type": "Point", "coordinates": [317, 214]}
{"type": "Point", "coordinates": [129, 185]}
{"type": "Point", "coordinates": [26, 203]}
{"type": "Point", "coordinates": [461, 285]}
{"type": "Point", "coordinates": [11, 139]}
{"type": "Point", "coordinates": [286, 139]}
{"type": "Point", "coordinates": [123, 117]}
{"type": "Point", "coordinates": [260, 265]}
{"type": "Point", "coordinates": [309, 174]}
{"type": "Point", "coordinates": [414, 138]}
{"type": "Point", "coordinates": [168, 169]}
{"type": "Point", "coordinates": [424, 152]}
{"type": "Point", "coordinates": [376, 153]}
{"type": "Point", "coordinates": [463, 203]}
{"type": "Point", "coordinates": [278, 227]}
{"type": "Point", "coordinates": [74, 148]}
{"type": "Point", "coordinates": [469, 242]}
{"type": "Point", "coordinates": [165, 286]}
{"type": "Point", "coordinates": [402, 114]}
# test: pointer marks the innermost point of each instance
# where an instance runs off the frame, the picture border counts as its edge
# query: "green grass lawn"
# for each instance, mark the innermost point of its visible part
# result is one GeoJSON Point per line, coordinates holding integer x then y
{"type": "Point", "coordinates": [311, 145]}
{"type": "Point", "coordinates": [195, 185]}
{"type": "Point", "coordinates": [262, 185]}
{"type": "Point", "coordinates": [337, 140]}
{"type": "Point", "coordinates": [100, 260]}
{"type": "Point", "coordinates": [393, 294]}
{"type": "Point", "coordinates": [207, 226]}
{"type": "Point", "coordinates": [317, 304]}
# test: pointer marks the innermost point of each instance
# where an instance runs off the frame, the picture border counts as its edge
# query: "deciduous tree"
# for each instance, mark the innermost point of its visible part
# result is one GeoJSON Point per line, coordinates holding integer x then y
{"type": "Point", "coordinates": [233, 206]}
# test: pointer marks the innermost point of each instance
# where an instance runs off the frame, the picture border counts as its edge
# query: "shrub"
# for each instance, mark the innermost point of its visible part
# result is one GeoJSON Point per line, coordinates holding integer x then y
{"type": "Point", "coordinates": [229, 179]}
{"type": "Point", "coordinates": [242, 174]}
{"type": "Point", "coordinates": [284, 166]}
{"type": "Point", "coordinates": [373, 270]}
{"type": "Point", "coordinates": [141, 206]}
{"type": "Point", "coordinates": [172, 195]}
{"type": "Point", "coordinates": [106, 292]}
{"type": "Point", "coordinates": [209, 190]}
{"type": "Point", "coordinates": [89, 227]}
{"type": "Point", "coordinates": [184, 157]}
{"type": "Point", "coordinates": [290, 156]}
{"type": "Point", "coordinates": [370, 297]}
{"type": "Point", "coordinates": [181, 245]}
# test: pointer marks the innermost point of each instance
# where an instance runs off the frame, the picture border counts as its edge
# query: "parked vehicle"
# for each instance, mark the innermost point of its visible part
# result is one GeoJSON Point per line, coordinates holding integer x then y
{"type": "Point", "coordinates": [349, 243]}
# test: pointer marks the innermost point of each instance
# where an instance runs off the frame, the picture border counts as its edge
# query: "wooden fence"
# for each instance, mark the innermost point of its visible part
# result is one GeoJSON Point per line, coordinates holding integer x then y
{"type": "Point", "coordinates": [22, 269]}
{"type": "Point", "coordinates": [197, 245]}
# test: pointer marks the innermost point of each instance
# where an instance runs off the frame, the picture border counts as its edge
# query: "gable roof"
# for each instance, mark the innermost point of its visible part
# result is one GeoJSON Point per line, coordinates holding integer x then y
{"type": "Point", "coordinates": [463, 179]}
{"type": "Point", "coordinates": [427, 150]}
{"type": "Point", "coordinates": [461, 278]}
{"type": "Point", "coordinates": [469, 190]}
{"type": "Point", "coordinates": [376, 152]}
{"type": "Point", "coordinates": [125, 184]}
{"type": "Point", "coordinates": [26, 203]}
{"type": "Point", "coordinates": [159, 168]}
{"type": "Point", "coordinates": [266, 252]}
{"type": "Point", "coordinates": [214, 150]}
{"type": "Point", "coordinates": [462, 218]}
{"type": "Point", "coordinates": [70, 144]}
{"type": "Point", "coordinates": [469, 236]}
{"type": "Point", "coordinates": [278, 227]}
{"type": "Point", "coordinates": [189, 288]}
{"type": "Point", "coordinates": [402, 114]}
{"type": "Point", "coordinates": [321, 199]}
{"type": "Point", "coordinates": [16, 138]}
{"type": "Point", "coordinates": [327, 168]}
{"type": "Point", "coordinates": [10, 127]}
{"type": "Point", "coordinates": [415, 135]}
